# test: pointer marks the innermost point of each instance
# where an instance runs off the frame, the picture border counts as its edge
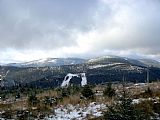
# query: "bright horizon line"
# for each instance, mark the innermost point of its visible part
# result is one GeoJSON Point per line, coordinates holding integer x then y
{"type": "Point", "coordinates": [85, 58]}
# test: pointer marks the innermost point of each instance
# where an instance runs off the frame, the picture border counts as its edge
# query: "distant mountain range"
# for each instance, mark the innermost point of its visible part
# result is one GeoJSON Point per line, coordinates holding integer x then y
{"type": "Point", "coordinates": [52, 71]}
{"type": "Point", "coordinates": [51, 62]}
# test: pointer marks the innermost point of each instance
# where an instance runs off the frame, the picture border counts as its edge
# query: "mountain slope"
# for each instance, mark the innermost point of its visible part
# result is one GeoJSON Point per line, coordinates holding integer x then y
{"type": "Point", "coordinates": [49, 62]}
{"type": "Point", "coordinates": [150, 62]}
{"type": "Point", "coordinates": [115, 59]}
{"type": "Point", "coordinates": [52, 71]}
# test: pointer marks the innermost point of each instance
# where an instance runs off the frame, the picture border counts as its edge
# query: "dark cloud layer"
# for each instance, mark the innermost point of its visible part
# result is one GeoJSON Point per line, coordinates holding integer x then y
{"type": "Point", "coordinates": [43, 23]}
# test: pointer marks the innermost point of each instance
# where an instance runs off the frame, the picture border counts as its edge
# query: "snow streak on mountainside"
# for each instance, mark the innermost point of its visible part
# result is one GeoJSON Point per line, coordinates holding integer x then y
{"type": "Point", "coordinates": [100, 65]}
{"type": "Point", "coordinates": [84, 79]}
{"type": "Point", "coordinates": [67, 80]}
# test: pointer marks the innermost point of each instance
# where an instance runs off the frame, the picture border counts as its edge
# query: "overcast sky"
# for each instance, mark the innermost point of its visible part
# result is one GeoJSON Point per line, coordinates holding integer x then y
{"type": "Point", "coordinates": [34, 29]}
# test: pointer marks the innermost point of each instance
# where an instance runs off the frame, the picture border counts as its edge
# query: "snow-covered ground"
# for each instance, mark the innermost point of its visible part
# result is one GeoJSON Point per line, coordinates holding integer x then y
{"type": "Point", "coordinates": [77, 112]}
{"type": "Point", "coordinates": [139, 100]}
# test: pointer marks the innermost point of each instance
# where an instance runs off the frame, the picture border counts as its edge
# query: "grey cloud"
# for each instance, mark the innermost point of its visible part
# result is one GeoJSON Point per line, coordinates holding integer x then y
{"type": "Point", "coordinates": [131, 25]}
{"type": "Point", "coordinates": [43, 24]}
{"type": "Point", "coordinates": [105, 25]}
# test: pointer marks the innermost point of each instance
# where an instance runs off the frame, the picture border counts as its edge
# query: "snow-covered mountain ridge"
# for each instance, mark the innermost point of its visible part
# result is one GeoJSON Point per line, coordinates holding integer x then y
{"type": "Point", "coordinates": [49, 62]}
{"type": "Point", "coordinates": [110, 59]}
{"type": "Point", "coordinates": [97, 70]}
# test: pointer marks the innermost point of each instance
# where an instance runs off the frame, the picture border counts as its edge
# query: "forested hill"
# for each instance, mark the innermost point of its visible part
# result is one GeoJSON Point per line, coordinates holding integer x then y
{"type": "Point", "coordinates": [98, 71]}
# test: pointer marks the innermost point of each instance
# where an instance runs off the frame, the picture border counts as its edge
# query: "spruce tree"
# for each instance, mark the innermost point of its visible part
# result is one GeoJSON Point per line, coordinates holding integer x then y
{"type": "Point", "coordinates": [124, 109]}
{"type": "Point", "coordinates": [109, 91]}
{"type": "Point", "coordinates": [87, 92]}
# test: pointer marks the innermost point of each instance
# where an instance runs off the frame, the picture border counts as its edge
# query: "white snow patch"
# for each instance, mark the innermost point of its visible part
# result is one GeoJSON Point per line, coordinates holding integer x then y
{"type": "Point", "coordinates": [78, 112]}
{"type": "Point", "coordinates": [137, 101]}
{"type": "Point", "coordinates": [53, 61]}
{"type": "Point", "coordinates": [140, 84]}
